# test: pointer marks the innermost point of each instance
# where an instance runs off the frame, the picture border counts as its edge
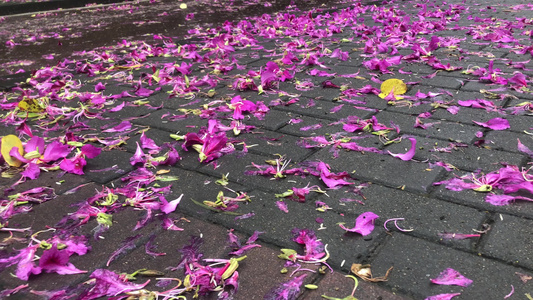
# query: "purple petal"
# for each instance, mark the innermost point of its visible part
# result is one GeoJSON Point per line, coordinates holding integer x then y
{"type": "Point", "coordinates": [500, 200]}
{"type": "Point", "coordinates": [409, 154]}
{"type": "Point", "coordinates": [364, 224]}
{"type": "Point", "coordinates": [55, 151]}
{"type": "Point", "coordinates": [282, 206]}
{"type": "Point", "coordinates": [125, 125]}
{"type": "Point", "coordinates": [523, 148]}
{"type": "Point", "coordinates": [90, 151]}
{"type": "Point", "coordinates": [495, 124]}
{"type": "Point", "coordinates": [169, 207]}
{"type": "Point", "coordinates": [148, 143]}
{"type": "Point", "coordinates": [32, 171]}
{"type": "Point", "coordinates": [35, 144]}
{"type": "Point", "coordinates": [443, 296]}
{"type": "Point", "coordinates": [109, 283]}
{"type": "Point", "coordinates": [138, 157]}
{"type": "Point", "coordinates": [451, 277]}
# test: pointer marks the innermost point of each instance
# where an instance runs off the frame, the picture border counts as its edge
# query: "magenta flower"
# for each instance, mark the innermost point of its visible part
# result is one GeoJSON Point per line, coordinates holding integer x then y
{"type": "Point", "coordinates": [123, 126]}
{"type": "Point", "coordinates": [383, 64]}
{"type": "Point", "coordinates": [409, 154]}
{"type": "Point", "coordinates": [24, 260]}
{"type": "Point", "coordinates": [240, 105]}
{"type": "Point", "coordinates": [364, 224]}
{"type": "Point", "coordinates": [54, 260]}
{"type": "Point", "coordinates": [74, 165]}
{"type": "Point", "coordinates": [451, 277]}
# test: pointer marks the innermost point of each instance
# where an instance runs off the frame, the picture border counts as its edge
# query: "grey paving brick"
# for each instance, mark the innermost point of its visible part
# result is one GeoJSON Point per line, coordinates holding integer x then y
{"type": "Point", "coordinates": [444, 130]}
{"type": "Point", "coordinates": [383, 169]}
{"type": "Point", "coordinates": [509, 240]}
{"type": "Point", "coordinates": [427, 217]}
{"type": "Point", "coordinates": [442, 81]}
{"type": "Point", "coordinates": [109, 165]}
{"type": "Point", "coordinates": [236, 168]}
{"type": "Point", "coordinates": [162, 119]}
{"type": "Point", "coordinates": [507, 140]}
{"type": "Point", "coordinates": [416, 261]}
{"type": "Point", "coordinates": [466, 157]}
{"type": "Point", "coordinates": [337, 285]}
{"type": "Point", "coordinates": [477, 199]}
{"type": "Point", "coordinates": [264, 142]}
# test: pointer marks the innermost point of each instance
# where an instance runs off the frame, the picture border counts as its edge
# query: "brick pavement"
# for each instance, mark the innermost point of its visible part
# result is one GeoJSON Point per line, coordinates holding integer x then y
{"type": "Point", "coordinates": [290, 117]}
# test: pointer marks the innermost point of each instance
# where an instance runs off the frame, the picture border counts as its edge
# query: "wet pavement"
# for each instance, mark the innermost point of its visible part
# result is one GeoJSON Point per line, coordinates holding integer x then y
{"type": "Point", "coordinates": [271, 127]}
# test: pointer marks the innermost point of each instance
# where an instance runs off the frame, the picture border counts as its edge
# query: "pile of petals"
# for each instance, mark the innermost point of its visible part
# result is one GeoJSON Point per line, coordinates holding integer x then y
{"type": "Point", "coordinates": [507, 180]}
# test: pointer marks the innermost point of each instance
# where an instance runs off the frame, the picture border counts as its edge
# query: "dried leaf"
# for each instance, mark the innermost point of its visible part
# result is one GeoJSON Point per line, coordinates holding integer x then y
{"type": "Point", "coordinates": [364, 272]}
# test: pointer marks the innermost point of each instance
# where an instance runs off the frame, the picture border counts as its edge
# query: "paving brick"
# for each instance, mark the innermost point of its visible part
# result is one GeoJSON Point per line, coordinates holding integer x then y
{"type": "Point", "coordinates": [383, 169]}
{"type": "Point", "coordinates": [162, 119]}
{"type": "Point", "coordinates": [278, 225]}
{"type": "Point", "coordinates": [507, 140]}
{"type": "Point", "coordinates": [214, 238]}
{"type": "Point", "coordinates": [48, 214]}
{"type": "Point", "coordinates": [323, 109]}
{"type": "Point", "coordinates": [264, 142]}
{"type": "Point", "coordinates": [509, 240]}
{"type": "Point", "coordinates": [273, 120]}
{"type": "Point", "coordinates": [442, 81]}
{"type": "Point", "coordinates": [444, 130]}
{"type": "Point", "coordinates": [466, 115]}
{"type": "Point", "coordinates": [236, 168]}
{"type": "Point", "coordinates": [428, 217]}
{"type": "Point", "coordinates": [109, 165]}
{"type": "Point", "coordinates": [466, 157]}
{"type": "Point", "coordinates": [337, 285]}
{"type": "Point", "coordinates": [476, 199]}
{"type": "Point", "coordinates": [310, 126]}
{"type": "Point", "coordinates": [416, 261]}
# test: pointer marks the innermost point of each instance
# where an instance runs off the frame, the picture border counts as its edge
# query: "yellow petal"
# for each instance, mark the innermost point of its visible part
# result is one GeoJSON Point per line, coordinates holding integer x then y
{"type": "Point", "coordinates": [8, 142]}
{"type": "Point", "coordinates": [397, 86]}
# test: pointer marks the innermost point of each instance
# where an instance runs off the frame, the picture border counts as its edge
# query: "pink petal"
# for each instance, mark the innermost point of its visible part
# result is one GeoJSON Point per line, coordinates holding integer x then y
{"type": "Point", "coordinates": [409, 154]}
{"type": "Point", "coordinates": [523, 148]}
{"type": "Point", "coordinates": [148, 143]}
{"type": "Point", "coordinates": [282, 206]}
{"type": "Point", "coordinates": [125, 125]}
{"type": "Point", "coordinates": [90, 151]}
{"type": "Point", "coordinates": [169, 207]}
{"type": "Point", "coordinates": [35, 144]}
{"type": "Point", "coordinates": [55, 151]}
{"type": "Point", "coordinates": [495, 124]}
{"type": "Point", "coordinates": [32, 171]}
{"type": "Point", "coordinates": [364, 224]}
{"type": "Point", "coordinates": [451, 277]}
{"type": "Point", "coordinates": [443, 296]}
{"type": "Point", "coordinates": [500, 200]}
